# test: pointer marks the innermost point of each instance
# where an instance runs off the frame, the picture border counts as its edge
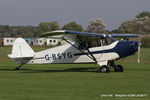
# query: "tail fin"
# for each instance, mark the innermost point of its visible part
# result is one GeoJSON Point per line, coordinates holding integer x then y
{"type": "Point", "coordinates": [21, 50]}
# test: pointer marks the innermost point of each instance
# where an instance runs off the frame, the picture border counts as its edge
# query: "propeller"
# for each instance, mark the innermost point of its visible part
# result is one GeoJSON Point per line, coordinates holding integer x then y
{"type": "Point", "coordinates": [139, 51]}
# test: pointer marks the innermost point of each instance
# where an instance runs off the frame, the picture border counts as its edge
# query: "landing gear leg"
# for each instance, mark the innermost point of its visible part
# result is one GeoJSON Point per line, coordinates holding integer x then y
{"type": "Point", "coordinates": [117, 68]}
{"type": "Point", "coordinates": [18, 68]}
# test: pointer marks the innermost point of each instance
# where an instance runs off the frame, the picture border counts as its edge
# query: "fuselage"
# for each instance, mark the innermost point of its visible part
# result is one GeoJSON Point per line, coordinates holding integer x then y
{"type": "Point", "coordinates": [69, 54]}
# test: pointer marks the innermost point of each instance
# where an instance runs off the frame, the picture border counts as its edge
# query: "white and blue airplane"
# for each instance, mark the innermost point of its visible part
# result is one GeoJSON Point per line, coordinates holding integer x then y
{"type": "Point", "coordinates": [81, 47]}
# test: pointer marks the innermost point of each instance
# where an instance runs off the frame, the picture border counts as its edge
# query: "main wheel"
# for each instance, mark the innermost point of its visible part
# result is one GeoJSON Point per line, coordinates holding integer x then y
{"type": "Point", "coordinates": [104, 69]}
{"type": "Point", "coordinates": [119, 68]}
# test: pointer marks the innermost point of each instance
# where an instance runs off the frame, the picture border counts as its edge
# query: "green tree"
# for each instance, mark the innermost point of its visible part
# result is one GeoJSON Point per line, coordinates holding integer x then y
{"type": "Point", "coordinates": [16, 31]}
{"type": "Point", "coordinates": [44, 27]}
{"type": "Point", "coordinates": [143, 14]}
{"type": "Point", "coordinates": [128, 27]}
{"type": "Point", "coordinates": [96, 26]}
{"type": "Point", "coordinates": [47, 27]}
{"type": "Point", "coordinates": [22, 31]}
{"type": "Point", "coordinates": [139, 25]}
{"type": "Point", "coordinates": [73, 26]}
{"type": "Point", "coordinates": [4, 30]}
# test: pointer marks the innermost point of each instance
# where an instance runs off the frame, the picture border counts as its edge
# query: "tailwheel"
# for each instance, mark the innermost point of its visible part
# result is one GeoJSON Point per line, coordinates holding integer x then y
{"type": "Point", "coordinates": [18, 68]}
{"type": "Point", "coordinates": [104, 69]}
{"type": "Point", "coordinates": [118, 68]}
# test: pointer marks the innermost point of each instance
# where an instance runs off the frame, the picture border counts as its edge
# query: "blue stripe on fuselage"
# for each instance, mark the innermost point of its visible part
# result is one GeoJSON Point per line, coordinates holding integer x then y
{"type": "Point", "coordinates": [123, 49]}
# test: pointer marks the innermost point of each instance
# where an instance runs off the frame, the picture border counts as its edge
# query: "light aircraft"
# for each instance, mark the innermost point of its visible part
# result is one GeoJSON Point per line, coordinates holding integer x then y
{"type": "Point", "coordinates": [81, 47]}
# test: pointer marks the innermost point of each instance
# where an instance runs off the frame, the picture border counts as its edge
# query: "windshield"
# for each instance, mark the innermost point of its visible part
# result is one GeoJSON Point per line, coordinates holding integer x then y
{"type": "Point", "coordinates": [109, 40]}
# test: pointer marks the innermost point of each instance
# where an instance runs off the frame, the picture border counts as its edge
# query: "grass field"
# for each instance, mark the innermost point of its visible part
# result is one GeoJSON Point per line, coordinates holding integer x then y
{"type": "Point", "coordinates": [74, 81]}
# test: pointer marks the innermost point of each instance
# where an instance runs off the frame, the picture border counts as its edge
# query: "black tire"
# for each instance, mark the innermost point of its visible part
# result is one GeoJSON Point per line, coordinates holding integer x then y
{"type": "Point", "coordinates": [104, 69]}
{"type": "Point", "coordinates": [119, 68]}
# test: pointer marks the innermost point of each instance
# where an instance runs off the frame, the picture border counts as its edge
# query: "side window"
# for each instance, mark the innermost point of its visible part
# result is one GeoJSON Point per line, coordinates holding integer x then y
{"type": "Point", "coordinates": [7, 41]}
{"type": "Point", "coordinates": [40, 41]}
{"type": "Point", "coordinates": [93, 43]}
{"type": "Point", "coordinates": [54, 41]}
{"type": "Point", "coordinates": [36, 41]}
{"type": "Point", "coordinates": [50, 41]}
{"type": "Point", "coordinates": [11, 41]}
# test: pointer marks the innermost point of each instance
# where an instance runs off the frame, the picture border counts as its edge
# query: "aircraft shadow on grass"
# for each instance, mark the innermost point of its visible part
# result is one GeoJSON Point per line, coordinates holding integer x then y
{"type": "Point", "coordinates": [85, 69]}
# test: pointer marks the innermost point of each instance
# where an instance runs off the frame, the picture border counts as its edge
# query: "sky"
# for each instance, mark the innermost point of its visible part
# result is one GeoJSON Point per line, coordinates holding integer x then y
{"type": "Point", "coordinates": [32, 12]}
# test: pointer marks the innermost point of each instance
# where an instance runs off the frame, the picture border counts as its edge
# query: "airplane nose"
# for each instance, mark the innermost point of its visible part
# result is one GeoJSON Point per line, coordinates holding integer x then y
{"type": "Point", "coordinates": [126, 48]}
{"type": "Point", "coordinates": [134, 45]}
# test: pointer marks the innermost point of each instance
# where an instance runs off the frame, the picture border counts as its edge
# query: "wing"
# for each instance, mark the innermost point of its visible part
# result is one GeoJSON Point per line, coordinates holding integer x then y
{"type": "Point", "coordinates": [73, 35]}
{"type": "Point", "coordinates": [53, 33]}
{"type": "Point", "coordinates": [123, 35]}
{"type": "Point", "coordinates": [60, 32]}
{"type": "Point", "coordinates": [70, 35]}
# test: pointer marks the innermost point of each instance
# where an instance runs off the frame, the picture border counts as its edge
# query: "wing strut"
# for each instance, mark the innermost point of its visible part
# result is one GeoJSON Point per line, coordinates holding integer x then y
{"type": "Point", "coordinates": [87, 50]}
{"type": "Point", "coordinates": [92, 57]}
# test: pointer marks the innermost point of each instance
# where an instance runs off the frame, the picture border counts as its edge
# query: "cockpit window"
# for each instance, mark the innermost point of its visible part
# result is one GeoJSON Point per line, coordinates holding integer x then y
{"type": "Point", "coordinates": [93, 41]}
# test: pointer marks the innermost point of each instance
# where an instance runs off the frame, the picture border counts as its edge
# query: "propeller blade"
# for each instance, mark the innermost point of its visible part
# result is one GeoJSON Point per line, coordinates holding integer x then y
{"type": "Point", "coordinates": [139, 50]}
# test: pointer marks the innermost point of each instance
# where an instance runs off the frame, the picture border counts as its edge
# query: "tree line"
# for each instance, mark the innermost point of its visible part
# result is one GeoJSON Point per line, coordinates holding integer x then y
{"type": "Point", "coordinates": [138, 25]}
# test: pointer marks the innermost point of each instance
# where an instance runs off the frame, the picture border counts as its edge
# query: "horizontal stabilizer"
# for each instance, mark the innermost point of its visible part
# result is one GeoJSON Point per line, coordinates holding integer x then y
{"type": "Point", "coordinates": [18, 56]}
